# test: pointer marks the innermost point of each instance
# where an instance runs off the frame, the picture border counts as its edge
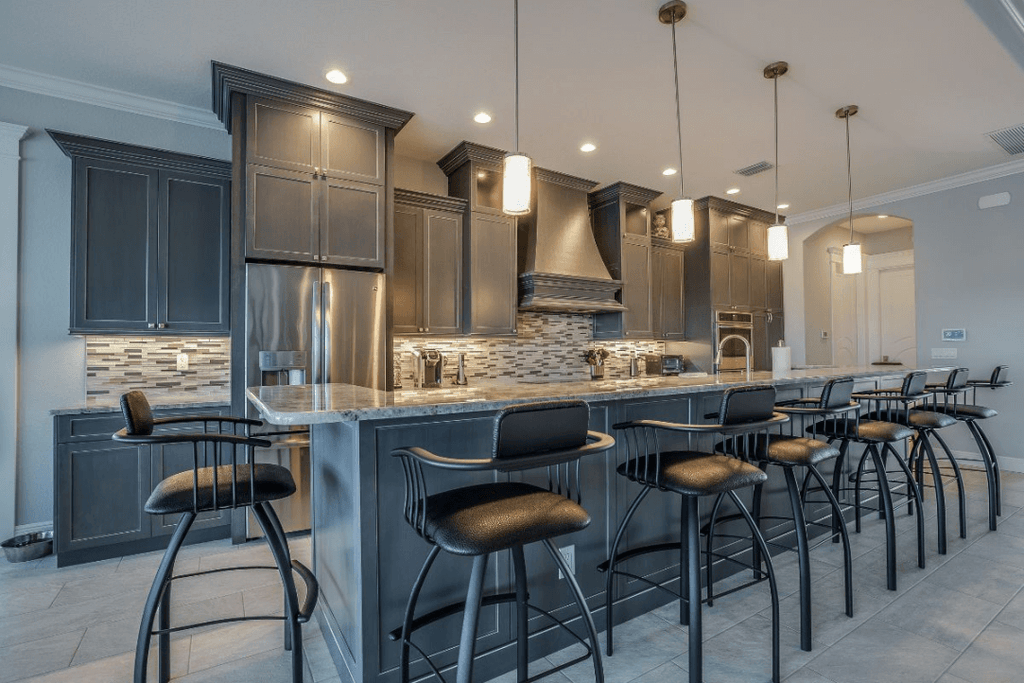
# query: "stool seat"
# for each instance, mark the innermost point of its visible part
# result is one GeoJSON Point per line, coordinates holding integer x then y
{"type": "Point", "coordinates": [915, 419]}
{"type": "Point", "coordinates": [962, 411]}
{"type": "Point", "coordinates": [486, 518]}
{"type": "Point", "coordinates": [175, 493]}
{"type": "Point", "coordinates": [692, 473]}
{"type": "Point", "coordinates": [868, 431]}
{"type": "Point", "coordinates": [797, 450]}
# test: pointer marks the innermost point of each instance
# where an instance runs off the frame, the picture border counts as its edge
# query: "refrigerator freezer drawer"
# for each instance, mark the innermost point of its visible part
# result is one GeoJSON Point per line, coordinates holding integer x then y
{"type": "Point", "coordinates": [291, 451]}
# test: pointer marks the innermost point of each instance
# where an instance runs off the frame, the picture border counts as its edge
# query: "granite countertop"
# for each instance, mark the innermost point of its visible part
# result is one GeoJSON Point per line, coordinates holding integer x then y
{"type": "Point", "coordinates": [167, 399]}
{"type": "Point", "coordinates": [325, 403]}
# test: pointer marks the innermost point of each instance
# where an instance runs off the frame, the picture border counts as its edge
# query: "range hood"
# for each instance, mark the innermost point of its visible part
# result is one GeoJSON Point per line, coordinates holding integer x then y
{"type": "Point", "coordinates": [561, 269]}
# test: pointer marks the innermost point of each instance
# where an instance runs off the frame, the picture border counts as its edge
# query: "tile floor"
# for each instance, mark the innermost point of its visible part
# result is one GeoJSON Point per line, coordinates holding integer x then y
{"type": "Point", "coordinates": [959, 620]}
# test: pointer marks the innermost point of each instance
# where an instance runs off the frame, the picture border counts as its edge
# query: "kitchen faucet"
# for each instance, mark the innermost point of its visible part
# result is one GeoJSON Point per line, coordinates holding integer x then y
{"type": "Point", "coordinates": [721, 345]}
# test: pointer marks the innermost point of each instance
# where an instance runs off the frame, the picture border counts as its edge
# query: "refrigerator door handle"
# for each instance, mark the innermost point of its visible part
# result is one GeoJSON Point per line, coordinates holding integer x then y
{"type": "Point", "coordinates": [327, 331]}
{"type": "Point", "coordinates": [316, 379]}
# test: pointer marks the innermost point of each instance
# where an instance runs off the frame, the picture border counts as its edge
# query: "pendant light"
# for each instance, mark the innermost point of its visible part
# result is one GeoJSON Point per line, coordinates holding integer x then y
{"type": "Point", "coordinates": [851, 250]}
{"type": "Point", "coordinates": [672, 12]}
{"type": "Point", "coordinates": [778, 233]}
{"type": "Point", "coordinates": [518, 168]}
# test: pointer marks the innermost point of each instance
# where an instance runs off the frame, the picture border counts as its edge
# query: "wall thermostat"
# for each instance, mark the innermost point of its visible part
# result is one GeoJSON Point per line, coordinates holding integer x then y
{"type": "Point", "coordinates": [955, 335]}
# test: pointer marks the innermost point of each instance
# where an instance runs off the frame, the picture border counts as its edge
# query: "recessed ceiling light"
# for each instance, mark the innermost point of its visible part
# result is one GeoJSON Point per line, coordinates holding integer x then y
{"type": "Point", "coordinates": [669, 171]}
{"type": "Point", "coordinates": [733, 190]}
{"type": "Point", "coordinates": [881, 216]}
{"type": "Point", "coordinates": [782, 206]}
{"type": "Point", "coordinates": [482, 117]}
{"type": "Point", "coordinates": [336, 76]}
{"type": "Point", "coordinates": [588, 147]}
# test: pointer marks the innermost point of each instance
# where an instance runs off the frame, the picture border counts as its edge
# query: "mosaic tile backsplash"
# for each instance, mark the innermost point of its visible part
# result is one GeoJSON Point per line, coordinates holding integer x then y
{"type": "Point", "coordinates": [550, 347]}
{"type": "Point", "coordinates": [118, 364]}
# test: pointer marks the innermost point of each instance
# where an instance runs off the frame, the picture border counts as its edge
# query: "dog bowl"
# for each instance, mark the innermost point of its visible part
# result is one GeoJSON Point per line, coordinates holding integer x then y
{"type": "Point", "coordinates": [28, 546]}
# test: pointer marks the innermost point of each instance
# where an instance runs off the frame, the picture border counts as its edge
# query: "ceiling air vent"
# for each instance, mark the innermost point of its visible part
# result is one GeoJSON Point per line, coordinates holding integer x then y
{"type": "Point", "coordinates": [1010, 139]}
{"type": "Point", "coordinates": [754, 169]}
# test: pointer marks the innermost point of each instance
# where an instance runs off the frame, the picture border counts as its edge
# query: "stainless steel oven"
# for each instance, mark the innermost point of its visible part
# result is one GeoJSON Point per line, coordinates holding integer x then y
{"type": "Point", "coordinates": [734, 323]}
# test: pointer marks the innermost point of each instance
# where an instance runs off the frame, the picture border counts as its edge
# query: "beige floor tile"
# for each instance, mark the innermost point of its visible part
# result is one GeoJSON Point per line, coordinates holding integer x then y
{"type": "Point", "coordinates": [38, 656]}
{"type": "Point", "coordinates": [236, 641]}
{"type": "Point", "coordinates": [997, 656]}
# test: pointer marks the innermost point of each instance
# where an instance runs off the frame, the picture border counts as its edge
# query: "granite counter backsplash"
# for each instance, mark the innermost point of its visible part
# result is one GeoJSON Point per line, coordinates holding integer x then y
{"type": "Point", "coordinates": [115, 365]}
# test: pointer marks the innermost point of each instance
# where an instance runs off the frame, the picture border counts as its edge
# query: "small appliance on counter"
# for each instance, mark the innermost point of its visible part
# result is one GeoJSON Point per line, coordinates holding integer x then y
{"type": "Point", "coordinates": [663, 365]}
{"type": "Point", "coordinates": [432, 364]}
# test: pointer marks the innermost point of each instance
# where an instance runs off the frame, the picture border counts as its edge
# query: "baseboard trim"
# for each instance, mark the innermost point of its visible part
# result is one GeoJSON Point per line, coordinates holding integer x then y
{"type": "Point", "coordinates": [33, 528]}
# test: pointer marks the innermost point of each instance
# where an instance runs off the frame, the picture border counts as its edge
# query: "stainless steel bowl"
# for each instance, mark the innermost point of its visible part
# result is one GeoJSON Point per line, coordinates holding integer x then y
{"type": "Point", "coordinates": [28, 546]}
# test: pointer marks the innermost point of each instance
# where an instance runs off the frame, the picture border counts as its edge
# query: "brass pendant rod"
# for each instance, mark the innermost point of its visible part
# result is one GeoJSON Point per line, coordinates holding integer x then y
{"type": "Point", "coordinates": [515, 12]}
{"type": "Point", "coordinates": [679, 118]}
{"type": "Point", "coordinates": [849, 174]}
{"type": "Point", "coordinates": [775, 81]}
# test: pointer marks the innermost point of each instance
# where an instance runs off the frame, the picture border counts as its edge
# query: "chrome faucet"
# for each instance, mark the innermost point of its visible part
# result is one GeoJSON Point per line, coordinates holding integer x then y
{"type": "Point", "coordinates": [721, 345]}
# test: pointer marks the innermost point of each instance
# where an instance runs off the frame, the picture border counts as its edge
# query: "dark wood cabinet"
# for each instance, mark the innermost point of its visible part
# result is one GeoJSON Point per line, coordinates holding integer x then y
{"type": "Point", "coordinates": [490, 292]}
{"type": "Point", "coordinates": [668, 297]}
{"type": "Point", "coordinates": [620, 216]}
{"type": "Point", "coordinates": [314, 186]}
{"type": "Point", "coordinates": [427, 283]}
{"type": "Point", "coordinates": [150, 239]}
{"type": "Point", "coordinates": [101, 487]}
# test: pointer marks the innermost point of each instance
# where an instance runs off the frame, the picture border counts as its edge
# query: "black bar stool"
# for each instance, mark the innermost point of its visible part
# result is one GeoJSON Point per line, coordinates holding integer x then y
{"type": "Point", "coordinates": [746, 414]}
{"type": "Point", "coordinates": [479, 520]}
{"type": "Point", "coordinates": [954, 404]}
{"type": "Point", "coordinates": [790, 451]}
{"type": "Point", "coordinates": [227, 483]}
{"type": "Point", "coordinates": [879, 438]}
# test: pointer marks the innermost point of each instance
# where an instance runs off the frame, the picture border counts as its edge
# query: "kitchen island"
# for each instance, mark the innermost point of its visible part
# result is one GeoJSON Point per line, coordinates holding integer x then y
{"type": "Point", "coordinates": [366, 556]}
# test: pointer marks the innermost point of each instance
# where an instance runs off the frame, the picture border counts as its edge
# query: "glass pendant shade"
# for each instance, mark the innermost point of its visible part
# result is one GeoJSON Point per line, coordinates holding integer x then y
{"type": "Point", "coordinates": [778, 242]}
{"type": "Point", "coordinates": [851, 259]}
{"type": "Point", "coordinates": [516, 184]}
{"type": "Point", "coordinates": [682, 220]}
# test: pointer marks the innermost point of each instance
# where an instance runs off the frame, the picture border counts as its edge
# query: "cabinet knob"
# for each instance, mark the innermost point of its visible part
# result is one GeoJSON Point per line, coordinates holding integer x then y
{"type": "Point", "coordinates": [426, 329]}
{"type": "Point", "coordinates": [152, 326]}
{"type": "Point", "coordinates": [316, 171]}
{"type": "Point", "coordinates": [161, 326]}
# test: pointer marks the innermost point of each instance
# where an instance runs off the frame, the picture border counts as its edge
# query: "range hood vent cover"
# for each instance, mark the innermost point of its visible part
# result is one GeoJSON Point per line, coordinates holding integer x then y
{"type": "Point", "coordinates": [754, 169]}
{"type": "Point", "coordinates": [1010, 139]}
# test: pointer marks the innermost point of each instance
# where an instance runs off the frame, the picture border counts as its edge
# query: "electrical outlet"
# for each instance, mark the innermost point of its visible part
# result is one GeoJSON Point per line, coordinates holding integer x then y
{"type": "Point", "coordinates": [944, 353]}
{"type": "Point", "coordinates": [182, 362]}
{"type": "Point", "coordinates": [569, 555]}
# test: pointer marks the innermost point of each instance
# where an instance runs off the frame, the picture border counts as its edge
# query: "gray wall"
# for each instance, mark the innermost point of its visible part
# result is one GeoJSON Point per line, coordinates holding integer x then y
{"type": "Point", "coordinates": [52, 362]}
{"type": "Point", "coordinates": [967, 274]}
{"type": "Point", "coordinates": [900, 239]}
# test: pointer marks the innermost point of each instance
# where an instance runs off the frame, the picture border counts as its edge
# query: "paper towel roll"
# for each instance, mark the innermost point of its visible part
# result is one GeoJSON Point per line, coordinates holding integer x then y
{"type": "Point", "coordinates": [782, 360]}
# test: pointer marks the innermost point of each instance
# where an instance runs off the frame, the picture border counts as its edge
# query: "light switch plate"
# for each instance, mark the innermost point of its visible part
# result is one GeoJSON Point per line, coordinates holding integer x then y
{"type": "Point", "coordinates": [569, 555]}
{"type": "Point", "coordinates": [944, 354]}
{"type": "Point", "coordinates": [182, 362]}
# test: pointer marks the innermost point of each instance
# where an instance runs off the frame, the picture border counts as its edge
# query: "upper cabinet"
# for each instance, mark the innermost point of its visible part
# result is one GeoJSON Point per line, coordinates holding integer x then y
{"type": "Point", "coordinates": [314, 186]}
{"type": "Point", "coordinates": [668, 298]}
{"type": "Point", "coordinates": [489, 241]}
{"type": "Point", "coordinates": [150, 239]}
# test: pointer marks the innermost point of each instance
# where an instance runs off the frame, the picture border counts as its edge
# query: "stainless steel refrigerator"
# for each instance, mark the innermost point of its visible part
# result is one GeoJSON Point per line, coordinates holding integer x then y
{"type": "Point", "coordinates": [308, 325]}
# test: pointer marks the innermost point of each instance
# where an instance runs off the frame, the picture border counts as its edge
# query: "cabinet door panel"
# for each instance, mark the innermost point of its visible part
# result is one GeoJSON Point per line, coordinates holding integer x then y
{"type": "Point", "coordinates": [282, 216]}
{"type": "Point", "coordinates": [442, 273]}
{"type": "Point", "coordinates": [739, 279]}
{"type": "Point", "coordinates": [658, 260]}
{"type": "Point", "coordinates": [114, 259]}
{"type": "Point", "coordinates": [194, 252]}
{"type": "Point", "coordinates": [758, 293]}
{"type": "Point", "coordinates": [170, 459]}
{"type": "Point", "coordinates": [667, 293]}
{"type": "Point", "coordinates": [492, 289]}
{"type": "Point", "coordinates": [405, 281]}
{"type": "Point", "coordinates": [720, 297]}
{"type": "Point", "coordinates": [758, 234]}
{"type": "Point", "coordinates": [350, 149]}
{"type": "Point", "coordinates": [352, 229]}
{"type": "Point", "coordinates": [100, 492]}
{"type": "Point", "coordinates": [636, 289]}
{"type": "Point", "coordinates": [718, 226]}
{"type": "Point", "coordinates": [283, 135]}
{"type": "Point", "coordinates": [773, 280]}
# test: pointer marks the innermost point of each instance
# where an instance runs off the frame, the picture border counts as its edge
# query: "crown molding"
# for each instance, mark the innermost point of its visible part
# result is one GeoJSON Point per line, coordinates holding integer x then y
{"type": "Point", "coordinates": [426, 200]}
{"type": "Point", "coordinates": [564, 179]}
{"type": "Point", "coordinates": [10, 140]}
{"type": "Point", "coordinates": [470, 151]}
{"type": "Point", "coordinates": [931, 187]}
{"type": "Point", "coordinates": [80, 146]}
{"type": "Point", "coordinates": [99, 96]}
{"type": "Point", "coordinates": [628, 192]}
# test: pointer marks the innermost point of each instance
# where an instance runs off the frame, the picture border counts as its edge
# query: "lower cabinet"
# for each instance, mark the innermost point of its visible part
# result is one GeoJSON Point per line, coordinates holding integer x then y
{"type": "Point", "coordinates": [101, 487]}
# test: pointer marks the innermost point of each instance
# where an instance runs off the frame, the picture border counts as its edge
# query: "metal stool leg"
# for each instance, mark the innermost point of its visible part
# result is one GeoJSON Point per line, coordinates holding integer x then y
{"type": "Point", "coordinates": [837, 513]}
{"type": "Point", "coordinates": [522, 616]}
{"type": "Point", "coordinates": [610, 578]}
{"type": "Point", "coordinates": [163, 575]}
{"type": "Point", "coordinates": [857, 487]}
{"type": "Point", "coordinates": [803, 553]}
{"type": "Point", "coordinates": [885, 495]}
{"type": "Point", "coordinates": [990, 475]}
{"type": "Point", "coordinates": [916, 490]}
{"type": "Point", "coordinates": [837, 473]}
{"type": "Point", "coordinates": [691, 533]}
{"type": "Point", "coordinates": [470, 619]}
{"type": "Point", "coordinates": [997, 477]}
{"type": "Point", "coordinates": [279, 530]}
{"type": "Point", "coordinates": [708, 578]}
{"type": "Point", "coordinates": [410, 609]}
{"type": "Point", "coordinates": [940, 493]}
{"type": "Point", "coordinates": [961, 494]}
{"type": "Point", "coordinates": [581, 602]}
{"type": "Point", "coordinates": [278, 547]}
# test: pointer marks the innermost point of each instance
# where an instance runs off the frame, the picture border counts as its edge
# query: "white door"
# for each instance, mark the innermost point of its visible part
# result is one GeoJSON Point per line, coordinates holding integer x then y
{"type": "Point", "coordinates": [897, 336]}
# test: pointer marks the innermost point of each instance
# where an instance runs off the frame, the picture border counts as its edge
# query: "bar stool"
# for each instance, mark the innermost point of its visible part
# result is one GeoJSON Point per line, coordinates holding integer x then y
{"type": "Point", "coordinates": [746, 413]}
{"type": "Point", "coordinates": [878, 438]}
{"type": "Point", "coordinates": [896, 405]}
{"type": "Point", "coordinates": [228, 483]}
{"type": "Point", "coordinates": [479, 520]}
{"type": "Point", "coordinates": [955, 405]}
{"type": "Point", "coordinates": [790, 451]}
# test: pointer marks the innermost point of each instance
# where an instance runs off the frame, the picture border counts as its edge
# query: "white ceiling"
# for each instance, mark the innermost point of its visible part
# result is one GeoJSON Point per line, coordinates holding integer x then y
{"type": "Point", "coordinates": [928, 76]}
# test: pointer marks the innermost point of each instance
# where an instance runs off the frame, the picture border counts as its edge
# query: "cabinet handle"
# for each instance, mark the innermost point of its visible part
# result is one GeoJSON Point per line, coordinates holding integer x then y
{"type": "Point", "coordinates": [426, 329]}
{"type": "Point", "coordinates": [316, 171]}
{"type": "Point", "coordinates": [152, 326]}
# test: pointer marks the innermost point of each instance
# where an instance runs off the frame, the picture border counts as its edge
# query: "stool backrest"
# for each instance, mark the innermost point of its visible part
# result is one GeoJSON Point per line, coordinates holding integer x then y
{"type": "Point", "coordinates": [138, 417]}
{"type": "Point", "coordinates": [531, 428]}
{"type": "Point", "coordinates": [1000, 374]}
{"type": "Point", "coordinates": [747, 404]}
{"type": "Point", "coordinates": [836, 393]}
{"type": "Point", "coordinates": [957, 378]}
{"type": "Point", "coordinates": [914, 383]}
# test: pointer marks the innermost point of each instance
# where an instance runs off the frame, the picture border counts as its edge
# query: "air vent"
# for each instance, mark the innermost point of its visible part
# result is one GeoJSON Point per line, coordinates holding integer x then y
{"type": "Point", "coordinates": [754, 169]}
{"type": "Point", "coordinates": [1010, 139]}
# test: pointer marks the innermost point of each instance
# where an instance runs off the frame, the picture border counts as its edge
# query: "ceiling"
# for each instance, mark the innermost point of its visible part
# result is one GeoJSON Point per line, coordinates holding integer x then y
{"type": "Point", "coordinates": [928, 76]}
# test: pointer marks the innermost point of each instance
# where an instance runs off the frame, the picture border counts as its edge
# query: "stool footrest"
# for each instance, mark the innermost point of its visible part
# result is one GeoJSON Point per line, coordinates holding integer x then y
{"type": "Point", "coordinates": [312, 591]}
{"type": "Point", "coordinates": [636, 552]}
{"type": "Point", "coordinates": [449, 610]}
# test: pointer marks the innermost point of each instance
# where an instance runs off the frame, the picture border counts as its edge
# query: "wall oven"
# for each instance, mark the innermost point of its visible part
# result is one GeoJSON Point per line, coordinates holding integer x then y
{"type": "Point", "coordinates": [734, 353]}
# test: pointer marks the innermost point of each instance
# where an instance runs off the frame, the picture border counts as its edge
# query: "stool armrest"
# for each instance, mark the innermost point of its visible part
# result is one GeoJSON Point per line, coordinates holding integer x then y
{"type": "Point", "coordinates": [427, 458]}
{"type": "Point", "coordinates": [799, 401]}
{"type": "Point", "coordinates": [208, 418]}
{"type": "Point", "coordinates": [211, 437]}
{"type": "Point", "coordinates": [597, 442]}
{"type": "Point", "coordinates": [883, 395]}
{"type": "Point", "coordinates": [776, 419]}
{"type": "Point", "coordinates": [852, 406]}
{"type": "Point", "coordinates": [987, 384]}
